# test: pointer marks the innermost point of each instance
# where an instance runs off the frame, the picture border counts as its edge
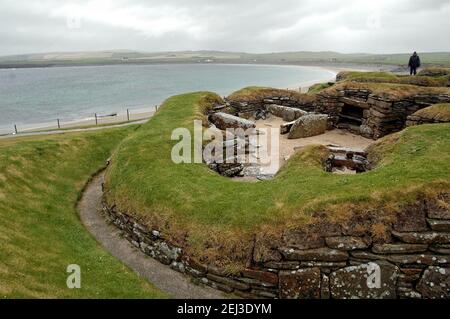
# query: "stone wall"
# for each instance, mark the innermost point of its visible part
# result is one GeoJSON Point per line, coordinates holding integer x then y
{"type": "Point", "coordinates": [336, 261]}
{"type": "Point", "coordinates": [381, 114]}
{"type": "Point", "coordinates": [245, 108]}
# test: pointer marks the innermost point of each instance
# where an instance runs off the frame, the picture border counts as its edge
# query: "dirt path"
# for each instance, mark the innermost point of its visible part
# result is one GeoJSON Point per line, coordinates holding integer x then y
{"type": "Point", "coordinates": [175, 284]}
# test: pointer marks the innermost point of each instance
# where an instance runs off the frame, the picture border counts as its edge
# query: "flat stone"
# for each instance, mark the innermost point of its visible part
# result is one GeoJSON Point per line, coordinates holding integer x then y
{"type": "Point", "coordinates": [398, 248]}
{"type": "Point", "coordinates": [323, 264]}
{"type": "Point", "coordinates": [435, 283]}
{"type": "Point", "coordinates": [365, 281]}
{"type": "Point", "coordinates": [440, 249]}
{"type": "Point", "coordinates": [379, 103]}
{"type": "Point", "coordinates": [355, 102]}
{"type": "Point", "coordinates": [264, 293]}
{"type": "Point", "coordinates": [439, 214]}
{"type": "Point", "coordinates": [288, 114]}
{"type": "Point", "coordinates": [423, 238]}
{"type": "Point", "coordinates": [300, 284]}
{"type": "Point", "coordinates": [282, 265]}
{"type": "Point", "coordinates": [228, 281]}
{"type": "Point", "coordinates": [255, 283]}
{"type": "Point", "coordinates": [419, 259]}
{"type": "Point", "coordinates": [364, 255]}
{"type": "Point", "coordinates": [319, 254]}
{"type": "Point", "coordinates": [347, 242]}
{"type": "Point", "coordinates": [223, 121]}
{"type": "Point", "coordinates": [309, 125]}
{"type": "Point", "coordinates": [264, 276]}
{"type": "Point", "coordinates": [439, 224]}
{"type": "Point", "coordinates": [408, 293]}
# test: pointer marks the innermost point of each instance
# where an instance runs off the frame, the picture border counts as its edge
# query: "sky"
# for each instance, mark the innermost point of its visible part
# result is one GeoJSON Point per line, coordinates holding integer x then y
{"type": "Point", "coordinates": [375, 26]}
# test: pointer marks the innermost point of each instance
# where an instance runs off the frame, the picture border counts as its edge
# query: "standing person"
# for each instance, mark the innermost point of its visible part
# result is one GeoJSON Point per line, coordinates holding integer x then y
{"type": "Point", "coordinates": [414, 63]}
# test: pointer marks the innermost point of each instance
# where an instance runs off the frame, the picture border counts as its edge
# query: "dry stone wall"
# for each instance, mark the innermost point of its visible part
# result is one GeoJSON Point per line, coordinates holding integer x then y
{"type": "Point", "coordinates": [337, 261]}
{"type": "Point", "coordinates": [369, 114]}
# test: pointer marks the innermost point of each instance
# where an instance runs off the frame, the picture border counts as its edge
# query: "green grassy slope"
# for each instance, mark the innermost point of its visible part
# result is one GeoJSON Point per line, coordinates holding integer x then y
{"type": "Point", "coordinates": [215, 217]}
{"type": "Point", "coordinates": [40, 231]}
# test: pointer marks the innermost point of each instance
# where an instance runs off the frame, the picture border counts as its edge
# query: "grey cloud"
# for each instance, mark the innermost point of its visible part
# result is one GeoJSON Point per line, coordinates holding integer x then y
{"type": "Point", "coordinates": [248, 25]}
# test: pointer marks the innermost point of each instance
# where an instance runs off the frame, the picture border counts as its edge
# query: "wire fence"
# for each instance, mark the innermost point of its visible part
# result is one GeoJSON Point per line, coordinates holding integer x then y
{"type": "Point", "coordinates": [96, 120]}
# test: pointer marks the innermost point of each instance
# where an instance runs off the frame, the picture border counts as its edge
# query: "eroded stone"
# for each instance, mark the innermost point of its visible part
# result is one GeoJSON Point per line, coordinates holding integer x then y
{"type": "Point", "coordinates": [435, 283]}
{"type": "Point", "coordinates": [319, 254]}
{"type": "Point", "coordinates": [300, 284]}
{"type": "Point", "coordinates": [223, 121]}
{"type": "Point", "coordinates": [423, 238]}
{"type": "Point", "coordinates": [347, 242]}
{"type": "Point", "coordinates": [309, 125]}
{"type": "Point", "coordinates": [365, 281]}
{"type": "Point", "coordinates": [398, 248]}
{"type": "Point", "coordinates": [439, 224]}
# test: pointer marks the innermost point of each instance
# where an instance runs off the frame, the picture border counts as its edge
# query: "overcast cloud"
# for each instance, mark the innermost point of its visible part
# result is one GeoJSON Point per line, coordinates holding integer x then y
{"type": "Point", "coordinates": [378, 26]}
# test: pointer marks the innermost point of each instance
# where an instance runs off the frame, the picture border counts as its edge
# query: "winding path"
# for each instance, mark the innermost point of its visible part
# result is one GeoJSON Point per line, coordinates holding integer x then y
{"type": "Point", "coordinates": [174, 283]}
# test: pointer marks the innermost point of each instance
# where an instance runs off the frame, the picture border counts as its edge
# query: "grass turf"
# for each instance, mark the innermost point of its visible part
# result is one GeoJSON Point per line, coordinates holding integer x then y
{"type": "Point", "coordinates": [40, 232]}
{"type": "Point", "coordinates": [215, 218]}
{"type": "Point", "coordinates": [437, 112]}
{"type": "Point", "coordinates": [386, 77]}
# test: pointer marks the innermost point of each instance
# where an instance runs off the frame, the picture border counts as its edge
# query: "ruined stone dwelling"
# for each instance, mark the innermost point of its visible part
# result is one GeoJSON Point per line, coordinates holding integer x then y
{"type": "Point", "coordinates": [369, 109]}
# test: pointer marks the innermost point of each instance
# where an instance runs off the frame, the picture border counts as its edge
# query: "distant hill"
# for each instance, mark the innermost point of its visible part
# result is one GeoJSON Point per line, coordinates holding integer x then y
{"type": "Point", "coordinates": [134, 57]}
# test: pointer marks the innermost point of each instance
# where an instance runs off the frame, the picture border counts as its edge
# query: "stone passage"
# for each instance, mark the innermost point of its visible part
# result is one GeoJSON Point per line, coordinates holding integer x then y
{"type": "Point", "coordinates": [336, 263]}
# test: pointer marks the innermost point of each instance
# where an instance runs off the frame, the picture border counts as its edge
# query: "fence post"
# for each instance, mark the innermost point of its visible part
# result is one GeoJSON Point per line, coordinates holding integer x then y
{"type": "Point", "coordinates": [156, 108]}
{"type": "Point", "coordinates": [128, 115]}
{"type": "Point", "coordinates": [15, 128]}
{"type": "Point", "coordinates": [59, 126]}
{"type": "Point", "coordinates": [96, 121]}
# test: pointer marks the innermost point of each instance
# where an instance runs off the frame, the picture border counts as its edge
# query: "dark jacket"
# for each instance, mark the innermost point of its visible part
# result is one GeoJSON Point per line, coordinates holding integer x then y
{"type": "Point", "coordinates": [414, 61]}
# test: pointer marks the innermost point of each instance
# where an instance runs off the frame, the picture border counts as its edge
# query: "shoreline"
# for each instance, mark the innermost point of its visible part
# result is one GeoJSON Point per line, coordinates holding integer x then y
{"type": "Point", "coordinates": [330, 65]}
{"type": "Point", "coordinates": [140, 114]}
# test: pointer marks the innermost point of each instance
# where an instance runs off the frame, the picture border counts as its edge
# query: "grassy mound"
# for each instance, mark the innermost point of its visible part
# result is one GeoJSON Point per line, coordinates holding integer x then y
{"type": "Point", "coordinates": [437, 112]}
{"type": "Point", "coordinates": [215, 218]}
{"type": "Point", "coordinates": [435, 71]}
{"type": "Point", "coordinates": [41, 234]}
{"type": "Point", "coordinates": [437, 80]}
{"type": "Point", "coordinates": [256, 94]}
{"type": "Point", "coordinates": [387, 90]}
{"type": "Point", "coordinates": [316, 88]}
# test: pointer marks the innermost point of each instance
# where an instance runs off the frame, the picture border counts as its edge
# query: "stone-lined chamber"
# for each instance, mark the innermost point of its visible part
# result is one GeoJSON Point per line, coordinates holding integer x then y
{"type": "Point", "coordinates": [361, 108]}
{"type": "Point", "coordinates": [326, 261]}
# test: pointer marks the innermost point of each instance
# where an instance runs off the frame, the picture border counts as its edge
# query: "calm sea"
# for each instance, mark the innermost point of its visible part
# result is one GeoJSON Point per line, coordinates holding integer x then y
{"type": "Point", "coordinates": [41, 95]}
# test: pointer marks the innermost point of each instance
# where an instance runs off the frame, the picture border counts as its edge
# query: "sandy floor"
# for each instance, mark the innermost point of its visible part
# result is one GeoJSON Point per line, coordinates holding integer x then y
{"type": "Point", "coordinates": [337, 138]}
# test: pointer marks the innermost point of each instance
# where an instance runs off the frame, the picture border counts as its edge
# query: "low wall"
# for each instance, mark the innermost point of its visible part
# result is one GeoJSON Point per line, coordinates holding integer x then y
{"type": "Point", "coordinates": [411, 259]}
{"type": "Point", "coordinates": [283, 98]}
